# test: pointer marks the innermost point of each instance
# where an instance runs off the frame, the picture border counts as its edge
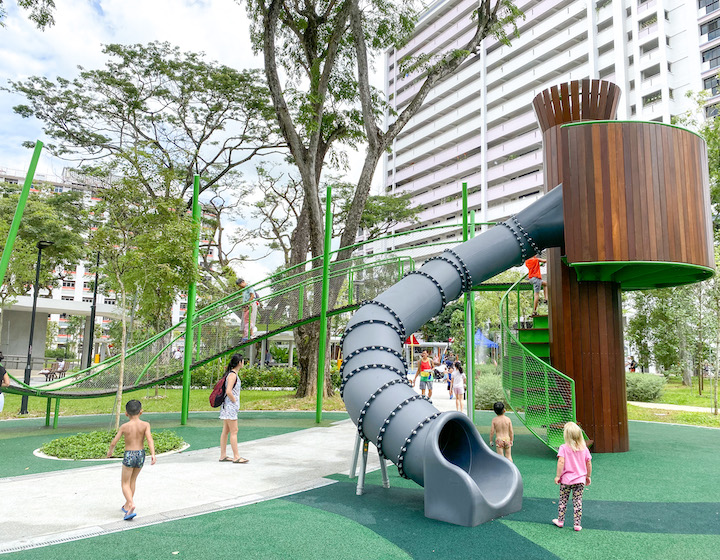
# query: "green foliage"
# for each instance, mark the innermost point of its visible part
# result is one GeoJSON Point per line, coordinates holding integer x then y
{"type": "Point", "coordinates": [488, 391]}
{"type": "Point", "coordinates": [488, 369]}
{"type": "Point", "coordinates": [643, 387]}
{"type": "Point", "coordinates": [250, 376]}
{"type": "Point", "coordinates": [94, 445]}
{"type": "Point", "coordinates": [438, 329]}
{"type": "Point", "coordinates": [58, 353]}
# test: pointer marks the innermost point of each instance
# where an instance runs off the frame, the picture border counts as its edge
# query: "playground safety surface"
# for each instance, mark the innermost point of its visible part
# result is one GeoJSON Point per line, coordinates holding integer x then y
{"type": "Point", "coordinates": [295, 500]}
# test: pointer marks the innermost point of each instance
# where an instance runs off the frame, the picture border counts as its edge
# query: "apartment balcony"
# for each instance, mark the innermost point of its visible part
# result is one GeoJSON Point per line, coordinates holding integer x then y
{"type": "Point", "coordinates": [606, 59]}
{"type": "Point", "coordinates": [510, 128]}
{"type": "Point", "coordinates": [436, 144]}
{"type": "Point", "coordinates": [648, 31]}
{"type": "Point", "coordinates": [459, 12]}
{"type": "Point", "coordinates": [516, 187]}
{"type": "Point", "coordinates": [520, 143]}
{"type": "Point", "coordinates": [499, 212]}
{"type": "Point", "coordinates": [448, 173]}
{"type": "Point", "coordinates": [425, 139]}
{"type": "Point", "coordinates": [646, 7]}
{"type": "Point", "coordinates": [444, 158]}
{"type": "Point", "coordinates": [534, 27]}
{"type": "Point", "coordinates": [654, 56]}
{"type": "Point", "coordinates": [537, 75]}
{"type": "Point", "coordinates": [469, 73]}
{"type": "Point", "coordinates": [450, 101]}
{"type": "Point", "coordinates": [703, 13]}
{"type": "Point", "coordinates": [605, 36]}
{"type": "Point", "coordinates": [515, 167]}
{"type": "Point", "coordinates": [516, 65]}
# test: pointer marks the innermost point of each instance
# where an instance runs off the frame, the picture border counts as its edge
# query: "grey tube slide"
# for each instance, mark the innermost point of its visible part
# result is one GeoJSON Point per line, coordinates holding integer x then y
{"type": "Point", "coordinates": [466, 483]}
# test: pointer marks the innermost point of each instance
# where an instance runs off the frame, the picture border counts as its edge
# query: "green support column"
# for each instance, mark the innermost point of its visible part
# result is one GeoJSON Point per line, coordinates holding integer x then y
{"type": "Point", "coordinates": [57, 413]}
{"type": "Point", "coordinates": [190, 311]}
{"type": "Point", "coordinates": [7, 251]}
{"type": "Point", "coordinates": [47, 412]}
{"type": "Point", "coordinates": [324, 304]}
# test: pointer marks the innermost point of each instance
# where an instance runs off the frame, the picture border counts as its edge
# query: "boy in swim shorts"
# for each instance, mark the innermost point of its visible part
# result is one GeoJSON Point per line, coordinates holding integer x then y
{"type": "Point", "coordinates": [135, 432]}
{"type": "Point", "coordinates": [501, 428]}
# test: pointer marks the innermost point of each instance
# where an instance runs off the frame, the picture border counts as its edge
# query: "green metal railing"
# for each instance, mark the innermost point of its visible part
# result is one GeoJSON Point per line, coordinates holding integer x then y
{"type": "Point", "coordinates": [542, 397]}
{"type": "Point", "coordinates": [288, 299]}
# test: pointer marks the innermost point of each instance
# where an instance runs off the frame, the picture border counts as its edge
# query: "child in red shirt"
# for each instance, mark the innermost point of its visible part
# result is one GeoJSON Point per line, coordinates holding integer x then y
{"type": "Point", "coordinates": [533, 266]}
{"type": "Point", "coordinates": [574, 468]}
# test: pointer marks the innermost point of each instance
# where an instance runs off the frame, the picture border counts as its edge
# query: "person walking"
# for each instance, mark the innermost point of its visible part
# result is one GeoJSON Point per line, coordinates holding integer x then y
{"type": "Point", "coordinates": [425, 371]}
{"type": "Point", "coordinates": [574, 468]}
{"type": "Point", "coordinates": [229, 411]}
{"type": "Point", "coordinates": [247, 296]}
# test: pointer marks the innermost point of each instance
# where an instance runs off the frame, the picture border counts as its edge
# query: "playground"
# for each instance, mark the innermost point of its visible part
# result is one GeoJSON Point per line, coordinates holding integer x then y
{"type": "Point", "coordinates": [652, 496]}
{"type": "Point", "coordinates": [294, 499]}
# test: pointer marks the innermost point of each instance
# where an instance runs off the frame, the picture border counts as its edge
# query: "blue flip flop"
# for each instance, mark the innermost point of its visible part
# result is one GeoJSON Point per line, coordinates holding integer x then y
{"type": "Point", "coordinates": [123, 509]}
{"type": "Point", "coordinates": [129, 516]}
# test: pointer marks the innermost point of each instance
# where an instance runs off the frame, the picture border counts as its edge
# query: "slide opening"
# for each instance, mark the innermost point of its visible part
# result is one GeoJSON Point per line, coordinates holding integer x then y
{"type": "Point", "coordinates": [456, 445]}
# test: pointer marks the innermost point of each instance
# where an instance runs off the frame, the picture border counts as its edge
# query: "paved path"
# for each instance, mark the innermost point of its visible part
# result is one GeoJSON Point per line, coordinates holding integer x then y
{"type": "Point", "coordinates": [66, 505]}
{"type": "Point", "coordinates": [666, 406]}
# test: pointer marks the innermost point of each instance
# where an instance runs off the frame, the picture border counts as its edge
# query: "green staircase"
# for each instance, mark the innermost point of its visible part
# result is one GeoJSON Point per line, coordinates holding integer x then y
{"type": "Point", "coordinates": [542, 397]}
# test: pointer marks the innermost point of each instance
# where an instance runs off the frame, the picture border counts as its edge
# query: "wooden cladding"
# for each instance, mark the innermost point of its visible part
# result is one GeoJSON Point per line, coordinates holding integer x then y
{"type": "Point", "coordinates": [580, 100]}
{"type": "Point", "coordinates": [586, 343]}
{"type": "Point", "coordinates": [633, 192]}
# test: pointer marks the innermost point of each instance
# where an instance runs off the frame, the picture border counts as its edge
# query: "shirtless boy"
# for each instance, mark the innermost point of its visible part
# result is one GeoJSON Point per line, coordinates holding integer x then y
{"type": "Point", "coordinates": [501, 428]}
{"type": "Point", "coordinates": [135, 431]}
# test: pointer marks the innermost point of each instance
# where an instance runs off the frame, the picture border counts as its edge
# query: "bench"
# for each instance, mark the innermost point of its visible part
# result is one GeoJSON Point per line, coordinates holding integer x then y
{"type": "Point", "coordinates": [51, 373]}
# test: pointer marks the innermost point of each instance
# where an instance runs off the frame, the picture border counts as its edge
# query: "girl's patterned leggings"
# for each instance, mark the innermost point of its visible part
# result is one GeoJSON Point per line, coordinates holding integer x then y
{"type": "Point", "coordinates": [577, 492]}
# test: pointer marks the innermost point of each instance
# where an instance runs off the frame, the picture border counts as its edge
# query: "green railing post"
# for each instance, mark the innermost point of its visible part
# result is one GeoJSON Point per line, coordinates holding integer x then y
{"type": "Point", "coordinates": [301, 301]}
{"type": "Point", "coordinates": [47, 412]}
{"type": "Point", "coordinates": [350, 287]}
{"type": "Point", "coordinates": [324, 304]}
{"type": "Point", "coordinates": [190, 310]}
{"type": "Point", "coordinates": [17, 218]}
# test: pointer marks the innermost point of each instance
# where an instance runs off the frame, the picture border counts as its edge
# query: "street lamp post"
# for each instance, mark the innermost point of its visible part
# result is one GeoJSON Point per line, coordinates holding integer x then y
{"type": "Point", "coordinates": [40, 245]}
{"type": "Point", "coordinates": [91, 342]}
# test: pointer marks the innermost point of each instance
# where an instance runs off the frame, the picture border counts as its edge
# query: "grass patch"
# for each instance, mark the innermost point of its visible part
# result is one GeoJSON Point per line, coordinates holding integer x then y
{"type": "Point", "coordinates": [94, 445]}
{"type": "Point", "coordinates": [169, 400]}
{"type": "Point", "coordinates": [673, 416]}
{"type": "Point", "coordinates": [677, 393]}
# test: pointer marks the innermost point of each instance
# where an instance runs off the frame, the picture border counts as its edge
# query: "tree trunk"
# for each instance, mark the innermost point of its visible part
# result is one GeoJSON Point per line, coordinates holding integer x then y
{"type": "Point", "coordinates": [307, 342]}
{"type": "Point", "coordinates": [119, 394]}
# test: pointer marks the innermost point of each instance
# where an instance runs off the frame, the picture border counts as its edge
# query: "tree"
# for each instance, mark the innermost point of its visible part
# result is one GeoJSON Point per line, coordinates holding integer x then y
{"type": "Point", "coordinates": [160, 116]}
{"type": "Point", "coordinates": [48, 216]}
{"type": "Point", "coordinates": [145, 250]}
{"type": "Point", "coordinates": [41, 12]}
{"type": "Point", "coordinates": [325, 50]}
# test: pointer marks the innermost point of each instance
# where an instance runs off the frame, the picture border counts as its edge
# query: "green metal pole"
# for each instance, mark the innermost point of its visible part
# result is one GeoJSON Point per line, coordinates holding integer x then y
{"type": "Point", "coordinates": [57, 413]}
{"type": "Point", "coordinates": [324, 304]}
{"type": "Point", "coordinates": [301, 300]}
{"type": "Point", "coordinates": [47, 412]}
{"type": "Point", "coordinates": [350, 287]}
{"type": "Point", "coordinates": [7, 251]}
{"type": "Point", "coordinates": [190, 311]}
{"type": "Point", "coordinates": [471, 330]}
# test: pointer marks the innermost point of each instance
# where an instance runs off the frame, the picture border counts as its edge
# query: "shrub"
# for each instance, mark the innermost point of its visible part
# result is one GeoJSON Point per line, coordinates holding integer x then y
{"type": "Point", "coordinates": [487, 369]}
{"type": "Point", "coordinates": [488, 390]}
{"type": "Point", "coordinates": [276, 376]}
{"type": "Point", "coordinates": [644, 387]}
{"type": "Point", "coordinates": [94, 445]}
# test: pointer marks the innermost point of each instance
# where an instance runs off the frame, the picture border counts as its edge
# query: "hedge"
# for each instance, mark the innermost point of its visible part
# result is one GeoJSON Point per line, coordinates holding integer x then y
{"type": "Point", "coordinates": [488, 391]}
{"type": "Point", "coordinates": [644, 387]}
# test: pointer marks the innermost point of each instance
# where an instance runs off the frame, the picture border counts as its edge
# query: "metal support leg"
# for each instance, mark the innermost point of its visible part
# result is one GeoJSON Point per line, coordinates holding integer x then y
{"type": "Point", "coordinates": [57, 413]}
{"type": "Point", "coordinates": [383, 470]}
{"type": "Point", "coordinates": [356, 453]}
{"type": "Point", "coordinates": [47, 413]}
{"type": "Point", "coordinates": [363, 468]}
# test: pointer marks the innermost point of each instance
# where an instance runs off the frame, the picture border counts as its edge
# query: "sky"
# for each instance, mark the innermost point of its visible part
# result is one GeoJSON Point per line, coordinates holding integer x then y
{"type": "Point", "coordinates": [219, 28]}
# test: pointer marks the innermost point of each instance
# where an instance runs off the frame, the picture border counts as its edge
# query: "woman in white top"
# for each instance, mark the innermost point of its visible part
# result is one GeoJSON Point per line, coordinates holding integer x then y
{"type": "Point", "coordinates": [229, 411]}
{"type": "Point", "coordinates": [458, 386]}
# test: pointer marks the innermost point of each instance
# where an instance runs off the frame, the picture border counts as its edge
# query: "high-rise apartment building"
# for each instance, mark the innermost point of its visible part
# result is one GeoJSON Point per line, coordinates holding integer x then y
{"type": "Point", "coordinates": [478, 125]}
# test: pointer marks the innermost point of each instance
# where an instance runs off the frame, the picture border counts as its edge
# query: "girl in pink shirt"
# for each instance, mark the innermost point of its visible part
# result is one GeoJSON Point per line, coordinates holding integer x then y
{"type": "Point", "coordinates": [573, 473]}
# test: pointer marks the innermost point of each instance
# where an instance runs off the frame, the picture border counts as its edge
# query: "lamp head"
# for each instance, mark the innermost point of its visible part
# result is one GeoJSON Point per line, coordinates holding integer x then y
{"type": "Point", "coordinates": [44, 244]}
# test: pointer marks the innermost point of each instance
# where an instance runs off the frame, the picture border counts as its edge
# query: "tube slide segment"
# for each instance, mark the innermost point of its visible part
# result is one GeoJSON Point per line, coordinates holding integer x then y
{"type": "Point", "coordinates": [466, 483]}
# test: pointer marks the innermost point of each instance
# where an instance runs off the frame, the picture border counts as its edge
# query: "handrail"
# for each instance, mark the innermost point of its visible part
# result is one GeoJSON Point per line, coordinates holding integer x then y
{"type": "Point", "coordinates": [514, 352]}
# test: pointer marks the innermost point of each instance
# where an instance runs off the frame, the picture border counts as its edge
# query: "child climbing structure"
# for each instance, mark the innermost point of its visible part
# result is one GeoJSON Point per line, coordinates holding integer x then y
{"type": "Point", "coordinates": [632, 220]}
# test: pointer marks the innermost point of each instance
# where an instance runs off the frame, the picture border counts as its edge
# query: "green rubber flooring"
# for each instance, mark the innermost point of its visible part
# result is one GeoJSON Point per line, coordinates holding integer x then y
{"type": "Point", "coordinates": [660, 501]}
